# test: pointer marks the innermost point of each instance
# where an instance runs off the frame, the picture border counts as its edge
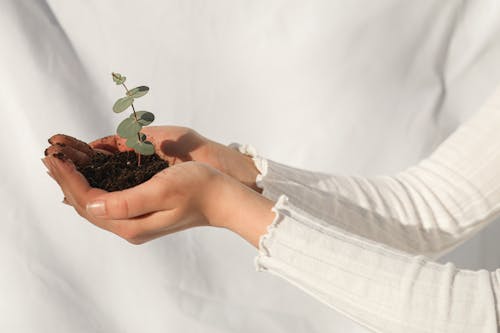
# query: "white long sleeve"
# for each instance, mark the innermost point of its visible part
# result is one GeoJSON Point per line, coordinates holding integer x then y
{"type": "Point", "coordinates": [340, 238]}
{"type": "Point", "coordinates": [426, 209]}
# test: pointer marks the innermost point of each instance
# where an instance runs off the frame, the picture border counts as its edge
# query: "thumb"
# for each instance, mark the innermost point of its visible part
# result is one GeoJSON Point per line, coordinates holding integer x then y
{"type": "Point", "coordinates": [136, 201]}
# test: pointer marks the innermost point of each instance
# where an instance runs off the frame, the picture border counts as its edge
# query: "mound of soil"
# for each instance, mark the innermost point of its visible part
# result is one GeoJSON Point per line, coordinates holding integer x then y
{"type": "Point", "coordinates": [120, 171]}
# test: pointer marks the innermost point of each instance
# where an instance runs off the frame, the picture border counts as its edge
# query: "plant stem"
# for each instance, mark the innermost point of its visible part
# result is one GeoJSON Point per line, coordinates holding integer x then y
{"type": "Point", "coordinates": [138, 134]}
{"type": "Point", "coordinates": [133, 108]}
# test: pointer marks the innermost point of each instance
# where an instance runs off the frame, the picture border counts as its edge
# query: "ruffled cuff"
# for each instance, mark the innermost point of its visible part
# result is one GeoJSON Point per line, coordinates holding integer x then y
{"type": "Point", "coordinates": [262, 166]}
{"type": "Point", "coordinates": [266, 240]}
{"type": "Point", "coordinates": [260, 163]}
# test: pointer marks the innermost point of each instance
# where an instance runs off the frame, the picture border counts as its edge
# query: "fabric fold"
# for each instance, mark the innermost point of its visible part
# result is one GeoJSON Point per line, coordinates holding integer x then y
{"type": "Point", "coordinates": [377, 286]}
{"type": "Point", "coordinates": [362, 245]}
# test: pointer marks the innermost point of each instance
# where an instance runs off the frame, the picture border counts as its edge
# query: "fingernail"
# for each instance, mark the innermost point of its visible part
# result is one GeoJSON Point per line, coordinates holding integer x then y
{"type": "Point", "coordinates": [97, 208]}
{"type": "Point", "coordinates": [60, 156]}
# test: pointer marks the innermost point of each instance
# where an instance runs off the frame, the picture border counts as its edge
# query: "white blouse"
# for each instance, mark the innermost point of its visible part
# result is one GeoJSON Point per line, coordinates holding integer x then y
{"type": "Point", "coordinates": [361, 245]}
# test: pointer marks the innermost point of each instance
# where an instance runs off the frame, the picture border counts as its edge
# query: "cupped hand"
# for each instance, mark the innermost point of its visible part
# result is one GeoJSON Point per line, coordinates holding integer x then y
{"type": "Point", "coordinates": [172, 143]}
{"type": "Point", "coordinates": [177, 198]}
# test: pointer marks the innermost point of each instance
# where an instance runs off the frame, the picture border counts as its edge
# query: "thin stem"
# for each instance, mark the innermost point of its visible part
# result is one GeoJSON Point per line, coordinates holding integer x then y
{"type": "Point", "coordinates": [139, 133]}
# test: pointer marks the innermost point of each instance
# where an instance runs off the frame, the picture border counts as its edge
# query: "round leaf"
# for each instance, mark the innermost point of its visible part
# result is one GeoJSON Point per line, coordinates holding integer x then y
{"type": "Point", "coordinates": [138, 92]}
{"type": "Point", "coordinates": [122, 104]}
{"type": "Point", "coordinates": [133, 141]}
{"type": "Point", "coordinates": [145, 148]}
{"type": "Point", "coordinates": [144, 117]}
{"type": "Point", "coordinates": [118, 78]}
{"type": "Point", "coordinates": [128, 128]}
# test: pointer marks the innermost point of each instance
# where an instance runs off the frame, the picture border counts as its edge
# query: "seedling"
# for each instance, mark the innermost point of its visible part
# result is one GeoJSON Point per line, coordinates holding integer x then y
{"type": "Point", "coordinates": [130, 128]}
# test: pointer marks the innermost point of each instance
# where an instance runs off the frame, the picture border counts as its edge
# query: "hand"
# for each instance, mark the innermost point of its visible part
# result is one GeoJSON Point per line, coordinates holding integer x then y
{"type": "Point", "coordinates": [175, 199]}
{"type": "Point", "coordinates": [173, 144]}
{"type": "Point", "coordinates": [183, 196]}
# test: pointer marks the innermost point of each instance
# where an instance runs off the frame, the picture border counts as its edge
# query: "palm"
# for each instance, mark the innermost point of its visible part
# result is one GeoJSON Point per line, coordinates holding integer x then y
{"type": "Point", "coordinates": [173, 144]}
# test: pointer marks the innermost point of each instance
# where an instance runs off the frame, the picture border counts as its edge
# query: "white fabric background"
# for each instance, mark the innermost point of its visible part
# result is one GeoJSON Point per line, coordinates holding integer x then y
{"type": "Point", "coordinates": [356, 87]}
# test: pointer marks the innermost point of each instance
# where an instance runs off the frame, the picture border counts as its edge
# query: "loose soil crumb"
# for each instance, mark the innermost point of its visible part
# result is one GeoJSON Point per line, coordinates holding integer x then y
{"type": "Point", "coordinates": [120, 171]}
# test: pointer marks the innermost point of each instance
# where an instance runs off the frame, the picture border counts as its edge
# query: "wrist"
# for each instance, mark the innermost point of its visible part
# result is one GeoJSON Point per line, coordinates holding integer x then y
{"type": "Point", "coordinates": [235, 164]}
{"type": "Point", "coordinates": [239, 209]}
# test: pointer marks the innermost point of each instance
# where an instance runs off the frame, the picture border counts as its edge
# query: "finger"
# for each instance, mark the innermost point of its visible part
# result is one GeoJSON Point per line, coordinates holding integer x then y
{"type": "Point", "coordinates": [111, 143]}
{"type": "Point", "coordinates": [142, 199]}
{"type": "Point", "coordinates": [46, 163]}
{"type": "Point", "coordinates": [62, 151]}
{"type": "Point", "coordinates": [146, 227]}
{"type": "Point", "coordinates": [73, 184]}
{"type": "Point", "coordinates": [102, 151]}
{"type": "Point", "coordinates": [78, 192]}
{"type": "Point", "coordinates": [70, 141]}
{"type": "Point", "coordinates": [151, 226]}
{"type": "Point", "coordinates": [54, 175]}
{"type": "Point", "coordinates": [135, 230]}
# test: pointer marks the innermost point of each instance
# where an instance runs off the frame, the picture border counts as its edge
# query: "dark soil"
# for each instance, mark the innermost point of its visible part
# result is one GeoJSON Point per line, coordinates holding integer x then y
{"type": "Point", "coordinates": [120, 171]}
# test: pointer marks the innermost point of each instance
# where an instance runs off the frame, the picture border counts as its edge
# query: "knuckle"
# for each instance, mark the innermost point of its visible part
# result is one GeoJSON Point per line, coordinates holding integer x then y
{"type": "Point", "coordinates": [162, 176]}
{"type": "Point", "coordinates": [79, 208]}
{"type": "Point", "coordinates": [136, 241]}
{"type": "Point", "coordinates": [118, 208]}
{"type": "Point", "coordinates": [131, 234]}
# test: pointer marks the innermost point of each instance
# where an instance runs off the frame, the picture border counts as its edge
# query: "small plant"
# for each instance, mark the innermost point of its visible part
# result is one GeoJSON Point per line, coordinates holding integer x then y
{"type": "Point", "coordinates": [130, 128]}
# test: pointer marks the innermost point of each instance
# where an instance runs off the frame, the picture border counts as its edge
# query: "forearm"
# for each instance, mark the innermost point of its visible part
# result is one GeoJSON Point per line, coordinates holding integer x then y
{"type": "Point", "coordinates": [240, 209]}
{"type": "Point", "coordinates": [428, 208]}
{"type": "Point", "coordinates": [240, 167]}
{"type": "Point", "coordinates": [379, 287]}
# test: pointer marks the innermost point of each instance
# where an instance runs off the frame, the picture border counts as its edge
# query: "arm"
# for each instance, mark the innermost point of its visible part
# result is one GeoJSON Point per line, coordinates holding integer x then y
{"type": "Point", "coordinates": [429, 208]}
{"type": "Point", "coordinates": [426, 209]}
{"type": "Point", "coordinates": [382, 288]}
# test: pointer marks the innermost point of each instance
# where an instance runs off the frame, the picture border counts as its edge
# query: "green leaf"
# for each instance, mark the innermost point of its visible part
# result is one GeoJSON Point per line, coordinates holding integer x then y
{"type": "Point", "coordinates": [140, 146]}
{"type": "Point", "coordinates": [128, 128]}
{"type": "Point", "coordinates": [145, 148]}
{"type": "Point", "coordinates": [122, 104]}
{"type": "Point", "coordinates": [118, 78]}
{"type": "Point", "coordinates": [133, 141]}
{"type": "Point", "coordinates": [138, 91]}
{"type": "Point", "coordinates": [144, 117]}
